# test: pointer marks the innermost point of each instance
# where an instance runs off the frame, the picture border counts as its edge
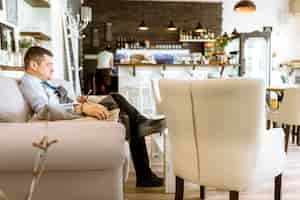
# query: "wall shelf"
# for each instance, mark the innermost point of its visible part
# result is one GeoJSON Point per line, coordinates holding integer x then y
{"type": "Point", "coordinates": [39, 3]}
{"type": "Point", "coordinates": [194, 40]}
{"type": "Point", "coordinates": [11, 68]}
{"type": "Point", "coordinates": [36, 35]}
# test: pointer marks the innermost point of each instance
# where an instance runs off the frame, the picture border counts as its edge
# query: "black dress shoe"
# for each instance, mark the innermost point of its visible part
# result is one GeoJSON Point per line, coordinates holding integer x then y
{"type": "Point", "coordinates": [153, 181]}
{"type": "Point", "coordinates": [149, 126]}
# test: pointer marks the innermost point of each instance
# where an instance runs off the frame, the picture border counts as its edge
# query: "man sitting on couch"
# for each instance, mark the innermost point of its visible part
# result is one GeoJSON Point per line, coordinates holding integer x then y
{"type": "Point", "coordinates": [46, 97]}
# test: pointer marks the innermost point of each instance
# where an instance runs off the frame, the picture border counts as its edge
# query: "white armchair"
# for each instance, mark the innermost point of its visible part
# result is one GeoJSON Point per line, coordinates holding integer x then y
{"type": "Point", "coordinates": [218, 135]}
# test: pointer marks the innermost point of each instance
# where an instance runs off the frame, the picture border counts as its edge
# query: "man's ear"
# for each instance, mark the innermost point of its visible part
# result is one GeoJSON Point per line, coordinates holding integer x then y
{"type": "Point", "coordinates": [33, 66]}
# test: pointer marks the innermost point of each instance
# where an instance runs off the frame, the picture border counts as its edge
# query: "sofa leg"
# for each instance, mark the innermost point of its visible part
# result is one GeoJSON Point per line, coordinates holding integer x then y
{"type": "Point", "coordinates": [179, 188]}
{"type": "Point", "coordinates": [202, 192]}
{"type": "Point", "coordinates": [277, 189]}
{"type": "Point", "coordinates": [233, 195]}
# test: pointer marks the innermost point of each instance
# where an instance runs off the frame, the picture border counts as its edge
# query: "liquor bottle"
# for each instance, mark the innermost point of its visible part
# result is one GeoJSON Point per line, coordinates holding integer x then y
{"type": "Point", "coordinates": [126, 46]}
{"type": "Point", "coordinates": [131, 43]}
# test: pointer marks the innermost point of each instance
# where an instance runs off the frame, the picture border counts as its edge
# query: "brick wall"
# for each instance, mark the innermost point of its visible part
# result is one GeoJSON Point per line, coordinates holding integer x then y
{"type": "Point", "coordinates": [126, 16]}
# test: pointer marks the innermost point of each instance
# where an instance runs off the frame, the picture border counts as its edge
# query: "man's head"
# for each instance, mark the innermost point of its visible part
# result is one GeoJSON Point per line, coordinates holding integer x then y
{"type": "Point", "coordinates": [108, 48]}
{"type": "Point", "coordinates": [38, 62]}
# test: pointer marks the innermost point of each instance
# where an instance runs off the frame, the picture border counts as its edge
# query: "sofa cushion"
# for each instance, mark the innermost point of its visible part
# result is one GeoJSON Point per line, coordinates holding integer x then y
{"type": "Point", "coordinates": [13, 107]}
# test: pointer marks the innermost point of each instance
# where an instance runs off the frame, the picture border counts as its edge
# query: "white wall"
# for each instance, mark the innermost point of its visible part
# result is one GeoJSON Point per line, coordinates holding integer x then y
{"type": "Point", "coordinates": [267, 14]}
{"type": "Point", "coordinates": [275, 13]}
{"type": "Point", "coordinates": [3, 12]}
{"type": "Point", "coordinates": [33, 19]}
{"type": "Point", "coordinates": [48, 21]}
{"type": "Point", "coordinates": [58, 7]}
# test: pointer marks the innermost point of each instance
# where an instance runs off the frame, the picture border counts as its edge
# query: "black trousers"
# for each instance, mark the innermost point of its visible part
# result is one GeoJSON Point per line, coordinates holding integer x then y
{"type": "Point", "coordinates": [137, 144]}
{"type": "Point", "coordinates": [103, 81]}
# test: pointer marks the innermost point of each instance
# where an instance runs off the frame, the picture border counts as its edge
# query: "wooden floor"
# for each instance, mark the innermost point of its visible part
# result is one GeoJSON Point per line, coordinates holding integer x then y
{"type": "Point", "coordinates": [291, 185]}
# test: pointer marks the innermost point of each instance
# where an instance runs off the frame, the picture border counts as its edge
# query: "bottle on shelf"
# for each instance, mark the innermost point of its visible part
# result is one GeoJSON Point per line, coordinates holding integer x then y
{"type": "Point", "coordinates": [121, 42]}
{"type": "Point", "coordinates": [126, 43]}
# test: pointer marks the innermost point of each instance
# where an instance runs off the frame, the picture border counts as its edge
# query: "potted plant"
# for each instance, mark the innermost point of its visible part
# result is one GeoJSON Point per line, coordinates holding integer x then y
{"type": "Point", "coordinates": [25, 43]}
{"type": "Point", "coordinates": [221, 42]}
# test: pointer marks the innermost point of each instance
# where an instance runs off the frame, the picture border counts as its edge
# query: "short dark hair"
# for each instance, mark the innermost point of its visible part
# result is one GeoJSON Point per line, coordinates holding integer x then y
{"type": "Point", "coordinates": [108, 48]}
{"type": "Point", "coordinates": [35, 54]}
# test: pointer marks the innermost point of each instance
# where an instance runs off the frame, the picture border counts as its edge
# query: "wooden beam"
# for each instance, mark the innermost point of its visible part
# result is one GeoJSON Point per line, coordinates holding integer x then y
{"type": "Point", "coordinates": [36, 35]}
{"type": "Point", "coordinates": [39, 3]}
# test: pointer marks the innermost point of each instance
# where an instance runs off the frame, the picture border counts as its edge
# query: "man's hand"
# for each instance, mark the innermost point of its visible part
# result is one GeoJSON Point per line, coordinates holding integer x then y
{"type": "Point", "coordinates": [95, 110]}
{"type": "Point", "coordinates": [82, 99]}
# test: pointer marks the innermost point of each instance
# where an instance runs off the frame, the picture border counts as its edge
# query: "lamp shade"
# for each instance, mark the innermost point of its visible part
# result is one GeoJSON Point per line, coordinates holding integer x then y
{"type": "Point", "coordinates": [245, 6]}
{"type": "Point", "coordinates": [171, 26]}
{"type": "Point", "coordinates": [199, 28]}
{"type": "Point", "coordinates": [143, 26]}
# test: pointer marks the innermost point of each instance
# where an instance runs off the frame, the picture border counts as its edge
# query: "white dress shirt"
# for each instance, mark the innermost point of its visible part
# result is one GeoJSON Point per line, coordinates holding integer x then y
{"type": "Point", "coordinates": [38, 94]}
{"type": "Point", "coordinates": [103, 59]}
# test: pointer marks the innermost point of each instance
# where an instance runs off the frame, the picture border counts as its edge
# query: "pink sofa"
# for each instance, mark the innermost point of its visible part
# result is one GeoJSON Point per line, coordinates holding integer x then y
{"type": "Point", "coordinates": [90, 161]}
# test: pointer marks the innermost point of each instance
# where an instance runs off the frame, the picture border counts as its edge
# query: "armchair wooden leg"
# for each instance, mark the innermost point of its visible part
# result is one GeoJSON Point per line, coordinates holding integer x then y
{"type": "Point", "coordinates": [277, 190]}
{"type": "Point", "coordinates": [179, 188]}
{"type": "Point", "coordinates": [202, 192]}
{"type": "Point", "coordinates": [275, 124]}
{"type": "Point", "coordinates": [268, 124]}
{"type": "Point", "coordinates": [233, 195]}
{"type": "Point", "coordinates": [294, 133]}
{"type": "Point", "coordinates": [287, 137]}
{"type": "Point", "coordinates": [298, 135]}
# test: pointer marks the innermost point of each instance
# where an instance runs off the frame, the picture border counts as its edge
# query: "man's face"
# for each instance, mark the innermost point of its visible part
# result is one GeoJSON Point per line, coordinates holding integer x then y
{"type": "Point", "coordinates": [44, 68]}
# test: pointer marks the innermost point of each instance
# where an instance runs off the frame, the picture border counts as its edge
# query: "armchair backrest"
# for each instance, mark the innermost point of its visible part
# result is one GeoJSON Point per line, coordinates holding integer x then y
{"type": "Point", "coordinates": [215, 128]}
{"type": "Point", "coordinates": [289, 109]}
{"type": "Point", "coordinates": [176, 104]}
{"type": "Point", "coordinates": [229, 124]}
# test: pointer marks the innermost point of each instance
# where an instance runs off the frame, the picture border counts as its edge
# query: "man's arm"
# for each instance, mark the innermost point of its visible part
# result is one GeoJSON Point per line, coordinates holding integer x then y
{"type": "Point", "coordinates": [93, 110]}
{"type": "Point", "coordinates": [35, 96]}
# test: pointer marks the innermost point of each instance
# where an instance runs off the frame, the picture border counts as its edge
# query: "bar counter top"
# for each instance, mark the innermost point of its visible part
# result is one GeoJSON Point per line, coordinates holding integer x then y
{"type": "Point", "coordinates": [175, 65]}
{"type": "Point", "coordinates": [165, 66]}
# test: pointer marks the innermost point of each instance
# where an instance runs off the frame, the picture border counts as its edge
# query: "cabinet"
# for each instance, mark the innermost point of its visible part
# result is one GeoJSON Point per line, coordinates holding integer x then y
{"type": "Point", "coordinates": [253, 52]}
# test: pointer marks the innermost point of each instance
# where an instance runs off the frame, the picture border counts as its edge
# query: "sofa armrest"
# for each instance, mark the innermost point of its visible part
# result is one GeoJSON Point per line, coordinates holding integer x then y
{"type": "Point", "coordinates": [82, 145]}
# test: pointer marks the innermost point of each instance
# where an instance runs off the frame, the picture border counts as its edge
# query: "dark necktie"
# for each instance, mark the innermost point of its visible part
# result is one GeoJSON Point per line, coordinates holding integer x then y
{"type": "Point", "coordinates": [60, 92]}
{"type": "Point", "coordinates": [46, 83]}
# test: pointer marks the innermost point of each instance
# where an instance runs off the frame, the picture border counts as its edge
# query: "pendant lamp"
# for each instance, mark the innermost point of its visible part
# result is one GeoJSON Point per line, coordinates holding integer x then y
{"type": "Point", "coordinates": [171, 26]}
{"type": "Point", "coordinates": [199, 28]}
{"type": "Point", "coordinates": [245, 6]}
{"type": "Point", "coordinates": [143, 26]}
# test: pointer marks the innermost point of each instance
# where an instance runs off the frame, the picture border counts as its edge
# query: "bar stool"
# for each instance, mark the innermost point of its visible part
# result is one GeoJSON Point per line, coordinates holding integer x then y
{"type": "Point", "coordinates": [288, 114]}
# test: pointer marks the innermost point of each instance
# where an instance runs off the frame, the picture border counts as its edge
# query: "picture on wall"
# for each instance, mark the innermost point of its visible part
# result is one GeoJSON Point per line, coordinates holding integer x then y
{"type": "Point", "coordinates": [12, 11]}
